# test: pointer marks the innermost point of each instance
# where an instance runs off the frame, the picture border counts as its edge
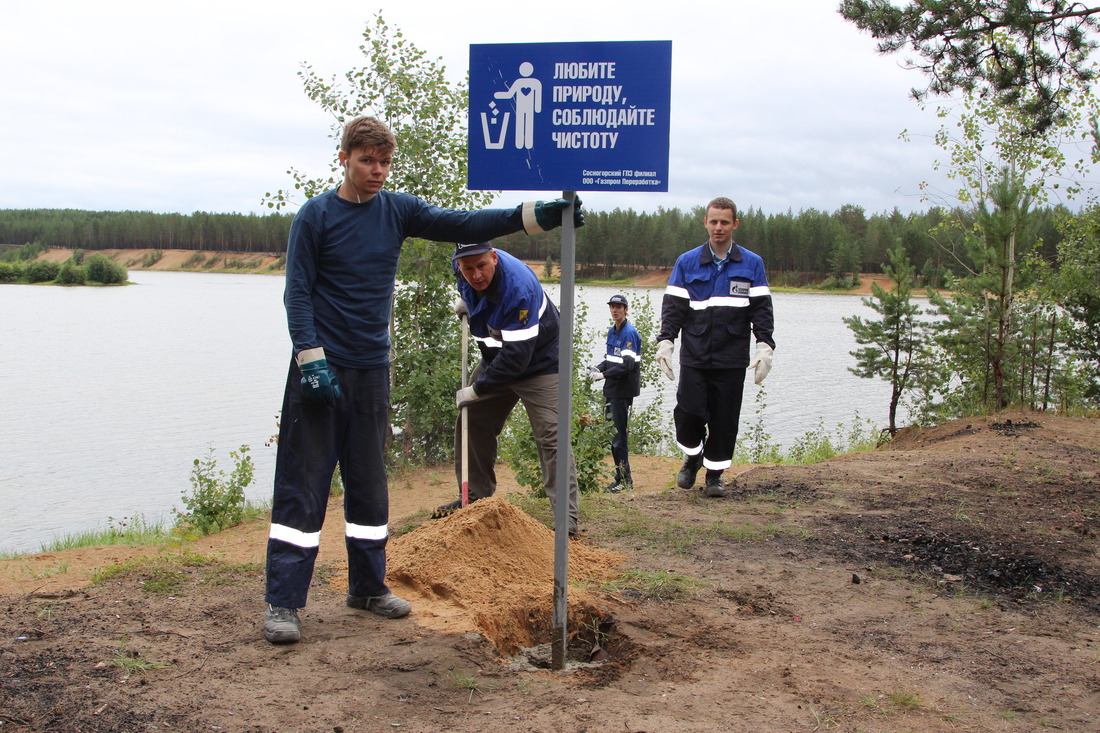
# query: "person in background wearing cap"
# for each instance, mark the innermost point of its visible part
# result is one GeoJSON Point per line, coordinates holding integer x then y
{"type": "Point", "coordinates": [341, 266]}
{"type": "Point", "coordinates": [715, 293]}
{"type": "Point", "coordinates": [516, 328]}
{"type": "Point", "coordinates": [621, 374]}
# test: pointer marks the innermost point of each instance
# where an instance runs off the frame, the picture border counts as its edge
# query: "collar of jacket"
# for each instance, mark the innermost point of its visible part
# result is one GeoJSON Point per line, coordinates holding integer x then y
{"type": "Point", "coordinates": [706, 258]}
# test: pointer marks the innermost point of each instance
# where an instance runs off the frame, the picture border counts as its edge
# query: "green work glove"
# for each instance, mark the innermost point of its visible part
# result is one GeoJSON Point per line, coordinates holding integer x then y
{"type": "Point", "coordinates": [319, 385]}
{"type": "Point", "coordinates": [542, 216]}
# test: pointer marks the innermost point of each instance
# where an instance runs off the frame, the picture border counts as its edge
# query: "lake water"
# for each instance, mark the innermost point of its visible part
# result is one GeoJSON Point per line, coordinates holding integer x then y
{"type": "Point", "coordinates": [108, 395]}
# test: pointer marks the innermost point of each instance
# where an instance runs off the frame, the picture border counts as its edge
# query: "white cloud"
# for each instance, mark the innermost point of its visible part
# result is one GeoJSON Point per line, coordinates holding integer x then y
{"type": "Point", "coordinates": [137, 105]}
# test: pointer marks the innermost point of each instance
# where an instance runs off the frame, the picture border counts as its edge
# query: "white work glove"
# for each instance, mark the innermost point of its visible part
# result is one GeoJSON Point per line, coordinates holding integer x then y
{"type": "Point", "coordinates": [595, 374]}
{"type": "Point", "coordinates": [460, 309]}
{"type": "Point", "coordinates": [664, 358]}
{"type": "Point", "coordinates": [465, 396]}
{"type": "Point", "coordinates": [762, 362]}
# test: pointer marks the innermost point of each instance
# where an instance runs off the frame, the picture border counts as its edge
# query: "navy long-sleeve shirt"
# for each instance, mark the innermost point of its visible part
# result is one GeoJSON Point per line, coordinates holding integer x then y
{"type": "Point", "coordinates": [342, 262]}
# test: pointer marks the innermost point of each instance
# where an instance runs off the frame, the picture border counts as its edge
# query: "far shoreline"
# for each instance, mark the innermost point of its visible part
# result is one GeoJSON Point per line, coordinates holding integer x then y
{"type": "Point", "coordinates": [267, 263]}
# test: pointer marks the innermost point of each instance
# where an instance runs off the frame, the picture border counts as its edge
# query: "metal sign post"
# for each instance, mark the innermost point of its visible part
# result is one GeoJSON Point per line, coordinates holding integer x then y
{"type": "Point", "coordinates": [559, 639]}
{"type": "Point", "coordinates": [569, 117]}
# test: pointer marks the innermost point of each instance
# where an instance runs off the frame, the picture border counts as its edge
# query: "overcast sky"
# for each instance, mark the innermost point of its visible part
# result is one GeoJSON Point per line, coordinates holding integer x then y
{"type": "Point", "coordinates": [197, 106]}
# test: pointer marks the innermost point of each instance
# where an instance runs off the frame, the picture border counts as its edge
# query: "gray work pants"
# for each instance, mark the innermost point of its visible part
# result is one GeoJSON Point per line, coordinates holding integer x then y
{"type": "Point", "coordinates": [487, 416]}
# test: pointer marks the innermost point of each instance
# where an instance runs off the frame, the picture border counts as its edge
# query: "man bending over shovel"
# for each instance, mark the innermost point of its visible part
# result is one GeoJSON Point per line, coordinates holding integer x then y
{"type": "Point", "coordinates": [516, 328]}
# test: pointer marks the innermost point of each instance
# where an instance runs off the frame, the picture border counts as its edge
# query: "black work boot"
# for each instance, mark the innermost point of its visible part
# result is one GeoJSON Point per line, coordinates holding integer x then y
{"type": "Point", "coordinates": [686, 478]}
{"type": "Point", "coordinates": [714, 488]}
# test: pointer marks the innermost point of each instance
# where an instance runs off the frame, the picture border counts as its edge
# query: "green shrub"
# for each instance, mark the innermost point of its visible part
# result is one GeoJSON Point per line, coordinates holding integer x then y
{"type": "Point", "coordinates": [216, 501]}
{"type": "Point", "coordinates": [102, 269]}
{"type": "Point", "coordinates": [71, 274]}
{"type": "Point", "coordinates": [195, 260]}
{"type": "Point", "coordinates": [78, 256]}
{"type": "Point", "coordinates": [591, 434]}
{"type": "Point", "coordinates": [31, 250]}
{"type": "Point", "coordinates": [41, 271]}
{"type": "Point", "coordinates": [151, 258]}
{"type": "Point", "coordinates": [10, 272]}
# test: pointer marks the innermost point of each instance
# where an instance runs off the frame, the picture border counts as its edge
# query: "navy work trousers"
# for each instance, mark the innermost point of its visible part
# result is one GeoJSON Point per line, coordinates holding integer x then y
{"type": "Point", "coordinates": [313, 439]}
{"type": "Point", "coordinates": [617, 410]}
{"type": "Point", "coordinates": [707, 413]}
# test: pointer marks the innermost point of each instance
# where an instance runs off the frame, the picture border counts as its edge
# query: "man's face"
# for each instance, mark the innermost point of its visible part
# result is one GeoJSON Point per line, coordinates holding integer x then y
{"type": "Point", "coordinates": [368, 168]}
{"type": "Point", "coordinates": [618, 313]}
{"type": "Point", "coordinates": [479, 269]}
{"type": "Point", "coordinates": [720, 225]}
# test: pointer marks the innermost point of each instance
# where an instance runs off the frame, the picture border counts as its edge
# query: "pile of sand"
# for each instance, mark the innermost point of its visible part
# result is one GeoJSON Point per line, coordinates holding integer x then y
{"type": "Point", "coordinates": [489, 568]}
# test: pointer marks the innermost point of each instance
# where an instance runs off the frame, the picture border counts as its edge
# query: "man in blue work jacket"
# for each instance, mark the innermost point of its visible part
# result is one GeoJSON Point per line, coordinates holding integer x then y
{"type": "Point", "coordinates": [717, 292]}
{"type": "Point", "coordinates": [341, 265]}
{"type": "Point", "coordinates": [516, 328]}
{"type": "Point", "coordinates": [620, 372]}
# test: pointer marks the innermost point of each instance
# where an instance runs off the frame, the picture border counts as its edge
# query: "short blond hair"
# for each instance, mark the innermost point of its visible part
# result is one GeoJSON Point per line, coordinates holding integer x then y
{"type": "Point", "coordinates": [367, 132]}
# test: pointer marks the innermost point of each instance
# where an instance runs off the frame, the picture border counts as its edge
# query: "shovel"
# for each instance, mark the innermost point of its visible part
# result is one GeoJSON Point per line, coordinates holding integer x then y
{"type": "Point", "coordinates": [465, 418]}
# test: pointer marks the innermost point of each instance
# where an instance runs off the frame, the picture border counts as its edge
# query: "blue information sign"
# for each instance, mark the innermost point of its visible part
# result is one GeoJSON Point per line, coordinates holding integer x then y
{"type": "Point", "coordinates": [570, 116]}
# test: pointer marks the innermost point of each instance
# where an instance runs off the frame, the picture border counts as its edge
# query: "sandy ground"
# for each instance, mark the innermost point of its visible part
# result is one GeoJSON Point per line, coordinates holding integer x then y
{"type": "Point", "coordinates": [948, 581]}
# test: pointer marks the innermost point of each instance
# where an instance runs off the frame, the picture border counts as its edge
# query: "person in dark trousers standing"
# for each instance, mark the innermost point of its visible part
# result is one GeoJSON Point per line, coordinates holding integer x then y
{"type": "Point", "coordinates": [620, 372]}
{"type": "Point", "coordinates": [515, 325]}
{"type": "Point", "coordinates": [340, 272]}
{"type": "Point", "coordinates": [717, 294]}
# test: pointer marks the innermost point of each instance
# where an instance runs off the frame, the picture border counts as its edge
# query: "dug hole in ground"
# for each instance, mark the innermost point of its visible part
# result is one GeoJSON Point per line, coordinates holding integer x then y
{"type": "Point", "coordinates": [948, 581]}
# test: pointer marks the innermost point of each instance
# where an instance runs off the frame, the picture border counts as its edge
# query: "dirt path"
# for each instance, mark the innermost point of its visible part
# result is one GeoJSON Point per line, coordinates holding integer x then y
{"type": "Point", "coordinates": [948, 582]}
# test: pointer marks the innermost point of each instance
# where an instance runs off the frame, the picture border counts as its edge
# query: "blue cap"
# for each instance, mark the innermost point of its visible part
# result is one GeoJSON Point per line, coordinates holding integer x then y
{"type": "Point", "coordinates": [468, 250]}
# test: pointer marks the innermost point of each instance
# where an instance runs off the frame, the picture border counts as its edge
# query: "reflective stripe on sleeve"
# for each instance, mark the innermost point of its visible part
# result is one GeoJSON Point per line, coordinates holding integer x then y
{"type": "Point", "coordinates": [521, 334]}
{"type": "Point", "coordinates": [490, 342]}
{"type": "Point", "coordinates": [677, 292]}
{"type": "Point", "coordinates": [759, 290]}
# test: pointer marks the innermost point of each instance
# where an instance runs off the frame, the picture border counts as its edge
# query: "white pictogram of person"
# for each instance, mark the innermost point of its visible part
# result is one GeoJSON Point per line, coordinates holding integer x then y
{"type": "Point", "coordinates": [528, 95]}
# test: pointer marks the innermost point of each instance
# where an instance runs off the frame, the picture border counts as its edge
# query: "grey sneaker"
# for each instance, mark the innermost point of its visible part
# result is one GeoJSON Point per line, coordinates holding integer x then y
{"type": "Point", "coordinates": [281, 625]}
{"type": "Point", "coordinates": [388, 605]}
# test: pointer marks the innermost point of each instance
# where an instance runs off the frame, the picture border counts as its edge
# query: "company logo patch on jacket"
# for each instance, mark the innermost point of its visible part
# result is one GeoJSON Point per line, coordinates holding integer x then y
{"type": "Point", "coordinates": [739, 288]}
{"type": "Point", "coordinates": [524, 311]}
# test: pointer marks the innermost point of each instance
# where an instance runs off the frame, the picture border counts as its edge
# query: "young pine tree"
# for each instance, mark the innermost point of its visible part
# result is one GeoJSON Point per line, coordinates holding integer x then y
{"type": "Point", "coordinates": [890, 344]}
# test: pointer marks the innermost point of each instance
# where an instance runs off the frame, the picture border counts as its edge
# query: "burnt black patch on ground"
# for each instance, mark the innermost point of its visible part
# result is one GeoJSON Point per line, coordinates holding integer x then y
{"type": "Point", "coordinates": [1008, 427]}
{"type": "Point", "coordinates": [780, 489]}
{"type": "Point", "coordinates": [1009, 569]}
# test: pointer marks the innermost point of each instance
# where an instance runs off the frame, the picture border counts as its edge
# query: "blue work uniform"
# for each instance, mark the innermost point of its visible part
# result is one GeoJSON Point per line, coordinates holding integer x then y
{"type": "Point", "coordinates": [515, 325]}
{"type": "Point", "coordinates": [715, 308]}
{"type": "Point", "coordinates": [622, 382]}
